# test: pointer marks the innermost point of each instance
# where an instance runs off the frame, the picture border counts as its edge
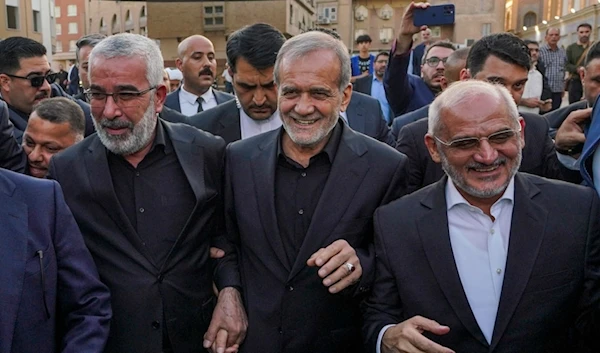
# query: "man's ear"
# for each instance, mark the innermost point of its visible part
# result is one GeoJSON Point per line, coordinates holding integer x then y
{"type": "Point", "coordinates": [4, 82]}
{"type": "Point", "coordinates": [346, 96]}
{"type": "Point", "coordinates": [432, 148]}
{"type": "Point", "coordinates": [465, 74]}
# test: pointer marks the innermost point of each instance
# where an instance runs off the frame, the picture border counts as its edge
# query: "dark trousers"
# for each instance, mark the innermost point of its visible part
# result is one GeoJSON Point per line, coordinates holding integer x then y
{"type": "Point", "coordinates": [575, 90]}
{"type": "Point", "coordinates": [556, 100]}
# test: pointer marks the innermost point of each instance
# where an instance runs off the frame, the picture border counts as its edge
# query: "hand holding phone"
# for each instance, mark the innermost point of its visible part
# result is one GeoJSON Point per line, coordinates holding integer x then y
{"type": "Point", "coordinates": [436, 15]}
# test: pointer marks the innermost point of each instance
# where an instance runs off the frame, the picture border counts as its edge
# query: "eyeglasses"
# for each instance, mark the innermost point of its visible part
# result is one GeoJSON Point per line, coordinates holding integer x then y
{"type": "Point", "coordinates": [36, 81]}
{"type": "Point", "coordinates": [434, 61]}
{"type": "Point", "coordinates": [467, 143]}
{"type": "Point", "coordinates": [124, 98]}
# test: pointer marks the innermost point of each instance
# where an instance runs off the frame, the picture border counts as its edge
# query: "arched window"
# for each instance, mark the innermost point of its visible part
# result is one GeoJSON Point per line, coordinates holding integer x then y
{"type": "Point", "coordinates": [143, 12]}
{"type": "Point", "coordinates": [530, 19]}
{"type": "Point", "coordinates": [114, 25]}
{"type": "Point", "coordinates": [507, 25]}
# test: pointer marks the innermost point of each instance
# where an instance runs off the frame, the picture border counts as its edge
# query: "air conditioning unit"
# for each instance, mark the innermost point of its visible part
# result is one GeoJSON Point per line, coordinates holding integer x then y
{"type": "Point", "coordinates": [360, 17]}
{"type": "Point", "coordinates": [326, 21]}
{"type": "Point", "coordinates": [386, 15]}
{"type": "Point", "coordinates": [385, 40]}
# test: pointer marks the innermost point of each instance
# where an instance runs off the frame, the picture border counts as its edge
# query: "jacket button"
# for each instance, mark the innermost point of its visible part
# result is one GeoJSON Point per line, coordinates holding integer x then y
{"type": "Point", "coordinates": [289, 288]}
{"type": "Point", "coordinates": [155, 325]}
{"type": "Point", "coordinates": [160, 278]}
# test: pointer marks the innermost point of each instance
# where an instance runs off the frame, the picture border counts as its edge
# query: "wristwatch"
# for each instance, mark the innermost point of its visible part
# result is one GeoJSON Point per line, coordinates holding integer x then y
{"type": "Point", "coordinates": [571, 150]}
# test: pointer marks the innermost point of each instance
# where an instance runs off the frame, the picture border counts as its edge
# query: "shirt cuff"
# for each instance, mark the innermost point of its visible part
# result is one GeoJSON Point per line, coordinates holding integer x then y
{"type": "Point", "coordinates": [568, 161]}
{"type": "Point", "coordinates": [380, 337]}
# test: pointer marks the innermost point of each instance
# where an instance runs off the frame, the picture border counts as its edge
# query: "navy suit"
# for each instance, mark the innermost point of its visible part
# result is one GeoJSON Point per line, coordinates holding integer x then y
{"type": "Point", "coordinates": [11, 153]}
{"type": "Point", "coordinates": [550, 300]}
{"type": "Point", "coordinates": [51, 299]}
{"type": "Point", "coordinates": [172, 100]}
{"type": "Point", "coordinates": [400, 121]}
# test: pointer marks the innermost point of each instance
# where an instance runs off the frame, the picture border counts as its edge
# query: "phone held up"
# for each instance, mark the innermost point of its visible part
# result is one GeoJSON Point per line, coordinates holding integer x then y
{"type": "Point", "coordinates": [436, 15]}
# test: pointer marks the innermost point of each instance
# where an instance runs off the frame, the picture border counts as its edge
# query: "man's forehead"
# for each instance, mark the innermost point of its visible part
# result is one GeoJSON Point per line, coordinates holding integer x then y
{"type": "Point", "coordinates": [35, 62]}
{"type": "Point", "coordinates": [440, 52]}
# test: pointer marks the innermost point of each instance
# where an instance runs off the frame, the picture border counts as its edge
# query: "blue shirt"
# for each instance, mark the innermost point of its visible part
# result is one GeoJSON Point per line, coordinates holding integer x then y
{"type": "Point", "coordinates": [378, 92]}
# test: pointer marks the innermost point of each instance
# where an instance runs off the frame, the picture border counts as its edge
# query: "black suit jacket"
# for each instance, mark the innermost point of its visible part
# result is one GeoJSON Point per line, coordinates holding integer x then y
{"type": "Point", "coordinates": [364, 115]}
{"type": "Point", "coordinates": [288, 307]}
{"type": "Point", "coordinates": [143, 293]}
{"type": "Point", "coordinates": [363, 85]}
{"type": "Point", "coordinates": [11, 154]}
{"type": "Point", "coordinates": [539, 155]}
{"type": "Point", "coordinates": [400, 121]}
{"type": "Point", "coordinates": [551, 281]}
{"type": "Point", "coordinates": [172, 115]}
{"type": "Point", "coordinates": [557, 117]}
{"type": "Point", "coordinates": [172, 100]}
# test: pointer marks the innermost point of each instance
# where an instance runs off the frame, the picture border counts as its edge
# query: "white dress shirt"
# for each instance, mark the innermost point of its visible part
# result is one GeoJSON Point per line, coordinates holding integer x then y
{"type": "Point", "coordinates": [533, 89]}
{"type": "Point", "coordinates": [480, 248]}
{"type": "Point", "coordinates": [250, 127]}
{"type": "Point", "coordinates": [189, 104]}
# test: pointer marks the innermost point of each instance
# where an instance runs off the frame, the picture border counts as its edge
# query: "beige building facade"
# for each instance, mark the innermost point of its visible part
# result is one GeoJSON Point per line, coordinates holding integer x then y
{"type": "Point", "coordinates": [28, 18]}
{"type": "Point", "coordinates": [70, 22]}
{"type": "Point", "coordinates": [112, 17]}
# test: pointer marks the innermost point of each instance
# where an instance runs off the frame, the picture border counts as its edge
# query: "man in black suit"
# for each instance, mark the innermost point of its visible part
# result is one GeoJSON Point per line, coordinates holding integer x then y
{"type": "Point", "coordinates": [251, 53]}
{"type": "Point", "coordinates": [196, 60]}
{"type": "Point", "coordinates": [501, 58]}
{"type": "Point", "coordinates": [24, 69]}
{"type": "Point", "coordinates": [299, 201]}
{"type": "Point", "coordinates": [147, 196]}
{"type": "Point", "coordinates": [487, 259]}
{"type": "Point", "coordinates": [372, 85]}
{"type": "Point", "coordinates": [11, 153]}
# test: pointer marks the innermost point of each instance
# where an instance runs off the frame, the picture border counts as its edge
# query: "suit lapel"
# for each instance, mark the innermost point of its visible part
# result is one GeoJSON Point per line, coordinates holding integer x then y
{"type": "Point", "coordinates": [435, 238]}
{"type": "Point", "coordinates": [103, 190]}
{"type": "Point", "coordinates": [13, 255]}
{"type": "Point", "coordinates": [346, 175]}
{"type": "Point", "coordinates": [172, 100]}
{"type": "Point", "coordinates": [355, 114]}
{"type": "Point", "coordinates": [264, 163]}
{"type": "Point", "coordinates": [526, 235]}
{"type": "Point", "coordinates": [229, 123]}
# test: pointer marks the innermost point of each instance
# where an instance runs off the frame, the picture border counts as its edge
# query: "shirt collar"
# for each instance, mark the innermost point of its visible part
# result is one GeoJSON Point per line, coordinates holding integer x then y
{"type": "Point", "coordinates": [330, 148]}
{"type": "Point", "coordinates": [191, 98]}
{"type": "Point", "coordinates": [453, 196]}
{"type": "Point", "coordinates": [245, 116]}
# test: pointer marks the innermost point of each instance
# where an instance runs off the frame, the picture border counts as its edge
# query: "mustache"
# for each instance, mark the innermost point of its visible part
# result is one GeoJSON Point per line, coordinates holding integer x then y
{"type": "Point", "coordinates": [264, 106]}
{"type": "Point", "coordinates": [116, 124]}
{"type": "Point", "coordinates": [205, 71]}
{"type": "Point", "coordinates": [476, 165]}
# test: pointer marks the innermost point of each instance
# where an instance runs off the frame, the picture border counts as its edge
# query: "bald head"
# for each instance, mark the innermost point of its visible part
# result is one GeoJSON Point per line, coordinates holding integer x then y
{"type": "Point", "coordinates": [196, 61]}
{"type": "Point", "coordinates": [454, 64]}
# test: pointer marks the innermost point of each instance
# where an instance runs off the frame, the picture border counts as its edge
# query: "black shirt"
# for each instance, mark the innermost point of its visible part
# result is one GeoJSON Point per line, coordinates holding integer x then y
{"type": "Point", "coordinates": [298, 190]}
{"type": "Point", "coordinates": [156, 196]}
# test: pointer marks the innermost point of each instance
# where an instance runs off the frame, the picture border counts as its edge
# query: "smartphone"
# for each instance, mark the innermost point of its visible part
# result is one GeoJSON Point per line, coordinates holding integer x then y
{"type": "Point", "coordinates": [436, 15]}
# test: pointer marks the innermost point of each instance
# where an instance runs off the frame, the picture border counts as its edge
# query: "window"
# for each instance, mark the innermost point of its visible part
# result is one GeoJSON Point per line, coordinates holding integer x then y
{"type": "Point", "coordinates": [73, 28]}
{"type": "Point", "coordinates": [486, 29]}
{"type": "Point", "coordinates": [37, 21]}
{"type": "Point", "coordinates": [530, 19]}
{"type": "Point", "coordinates": [213, 15]}
{"type": "Point", "coordinates": [143, 31]}
{"type": "Point", "coordinates": [58, 46]}
{"type": "Point", "coordinates": [58, 29]}
{"type": "Point", "coordinates": [72, 10]}
{"type": "Point", "coordinates": [72, 45]}
{"type": "Point", "coordinates": [56, 11]}
{"type": "Point", "coordinates": [12, 17]}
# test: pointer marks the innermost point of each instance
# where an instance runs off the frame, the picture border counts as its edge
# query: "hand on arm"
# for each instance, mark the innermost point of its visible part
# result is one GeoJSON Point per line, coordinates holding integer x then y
{"type": "Point", "coordinates": [408, 29]}
{"type": "Point", "coordinates": [335, 261]}
{"type": "Point", "coordinates": [229, 322]}
{"type": "Point", "coordinates": [407, 337]}
{"type": "Point", "coordinates": [570, 133]}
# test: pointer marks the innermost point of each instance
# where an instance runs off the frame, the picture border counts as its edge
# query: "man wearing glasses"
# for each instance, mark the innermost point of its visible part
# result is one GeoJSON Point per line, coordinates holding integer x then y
{"type": "Point", "coordinates": [147, 196]}
{"type": "Point", "coordinates": [485, 260]}
{"type": "Point", "coordinates": [406, 92]}
{"type": "Point", "coordinates": [372, 85]}
{"type": "Point", "coordinates": [24, 70]}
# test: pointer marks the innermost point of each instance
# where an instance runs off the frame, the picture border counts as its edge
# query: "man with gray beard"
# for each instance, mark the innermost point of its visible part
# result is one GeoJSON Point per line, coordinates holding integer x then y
{"type": "Point", "coordinates": [146, 195]}
{"type": "Point", "coordinates": [461, 264]}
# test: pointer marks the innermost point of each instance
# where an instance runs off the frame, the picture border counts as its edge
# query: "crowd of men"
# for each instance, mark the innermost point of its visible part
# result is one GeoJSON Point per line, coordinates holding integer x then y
{"type": "Point", "coordinates": [330, 204]}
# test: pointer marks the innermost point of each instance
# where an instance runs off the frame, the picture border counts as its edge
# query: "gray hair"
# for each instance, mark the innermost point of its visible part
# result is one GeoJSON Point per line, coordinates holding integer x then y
{"type": "Point", "coordinates": [60, 110]}
{"type": "Point", "coordinates": [462, 92]}
{"type": "Point", "coordinates": [303, 44]}
{"type": "Point", "coordinates": [90, 40]}
{"type": "Point", "coordinates": [127, 45]}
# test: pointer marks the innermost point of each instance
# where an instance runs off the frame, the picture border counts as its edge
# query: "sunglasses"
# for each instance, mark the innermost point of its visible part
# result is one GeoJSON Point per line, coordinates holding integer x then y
{"type": "Point", "coordinates": [36, 81]}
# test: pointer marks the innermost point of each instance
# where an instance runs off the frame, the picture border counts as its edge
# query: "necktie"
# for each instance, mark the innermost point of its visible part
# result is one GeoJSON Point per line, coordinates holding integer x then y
{"type": "Point", "coordinates": [200, 100]}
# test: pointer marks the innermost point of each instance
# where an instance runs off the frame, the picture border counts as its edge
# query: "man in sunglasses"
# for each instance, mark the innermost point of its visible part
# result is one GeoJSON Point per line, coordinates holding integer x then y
{"type": "Point", "coordinates": [24, 71]}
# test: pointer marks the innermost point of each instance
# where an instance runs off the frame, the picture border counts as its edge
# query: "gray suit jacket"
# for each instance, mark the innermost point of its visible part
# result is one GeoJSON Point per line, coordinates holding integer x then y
{"type": "Point", "coordinates": [172, 100]}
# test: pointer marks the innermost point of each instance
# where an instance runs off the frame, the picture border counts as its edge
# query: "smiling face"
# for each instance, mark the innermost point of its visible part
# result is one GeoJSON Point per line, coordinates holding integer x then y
{"type": "Point", "coordinates": [484, 171]}
{"type": "Point", "coordinates": [309, 97]}
{"type": "Point", "coordinates": [198, 64]}
{"type": "Point", "coordinates": [124, 127]}
{"type": "Point", "coordinates": [18, 92]}
{"type": "Point", "coordinates": [42, 139]}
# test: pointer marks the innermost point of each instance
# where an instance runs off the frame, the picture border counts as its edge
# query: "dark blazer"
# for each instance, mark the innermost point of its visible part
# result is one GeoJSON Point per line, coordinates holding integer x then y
{"type": "Point", "coordinates": [172, 100]}
{"type": "Point", "coordinates": [64, 307]}
{"type": "Point", "coordinates": [364, 115]}
{"type": "Point", "coordinates": [11, 154]}
{"type": "Point", "coordinates": [172, 115]}
{"type": "Point", "coordinates": [363, 85]}
{"type": "Point", "coordinates": [405, 92]}
{"type": "Point", "coordinates": [19, 119]}
{"type": "Point", "coordinates": [143, 293]}
{"type": "Point", "coordinates": [289, 309]}
{"type": "Point", "coordinates": [557, 117]}
{"type": "Point", "coordinates": [546, 91]}
{"type": "Point", "coordinates": [400, 121]}
{"type": "Point", "coordinates": [551, 281]}
{"type": "Point", "coordinates": [539, 155]}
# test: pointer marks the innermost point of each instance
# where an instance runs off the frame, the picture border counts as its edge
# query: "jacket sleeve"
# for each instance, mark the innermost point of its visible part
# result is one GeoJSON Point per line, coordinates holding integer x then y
{"type": "Point", "coordinates": [398, 90]}
{"type": "Point", "coordinates": [11, 154]}
{"type": "Point", "coordinates": [407, 145]}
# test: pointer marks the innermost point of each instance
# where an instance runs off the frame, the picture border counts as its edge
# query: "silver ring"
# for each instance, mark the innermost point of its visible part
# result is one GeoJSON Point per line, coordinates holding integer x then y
{"type": "Point", "coordinates": [350, 267]}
